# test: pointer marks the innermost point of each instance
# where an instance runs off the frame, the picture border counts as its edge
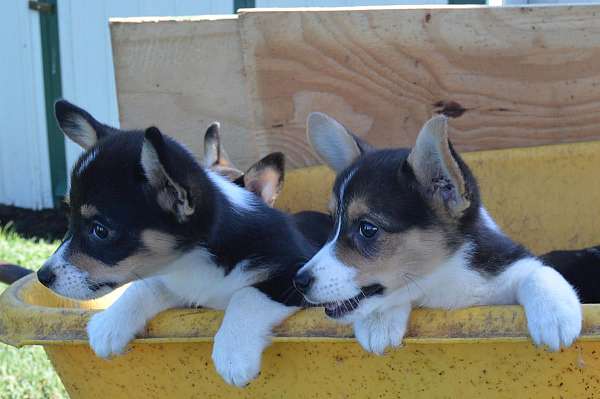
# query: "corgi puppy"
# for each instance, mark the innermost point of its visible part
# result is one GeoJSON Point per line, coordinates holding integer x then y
{"type": "Point", "coordinates": [143, 210]}
{"type": "Point", "coordinates": [265, 179]}
{"type": "Point", "coordinates": [411, 231]}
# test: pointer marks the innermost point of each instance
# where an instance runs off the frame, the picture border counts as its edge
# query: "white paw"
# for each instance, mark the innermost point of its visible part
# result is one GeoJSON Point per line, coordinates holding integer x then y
{"type": "Point", "coordinates": [552, 309]}
{"type": "Point", "coordinates": [381, 330]}
{"type": "Point", "coordinates": [237, 359]}
{"type": "Point", "coordinates": [109, 334]}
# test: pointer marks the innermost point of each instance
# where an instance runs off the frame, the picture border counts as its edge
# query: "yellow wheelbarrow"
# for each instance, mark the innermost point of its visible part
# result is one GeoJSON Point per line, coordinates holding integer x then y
{"type": "Point", "coordinates": [471, 353]}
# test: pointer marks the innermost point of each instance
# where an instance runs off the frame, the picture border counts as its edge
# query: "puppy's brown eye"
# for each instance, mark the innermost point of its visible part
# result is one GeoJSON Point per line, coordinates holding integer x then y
{"type": "Point", "coordinates": [368, 230]}
{"type": "Point", "coordinates": [99, 231]}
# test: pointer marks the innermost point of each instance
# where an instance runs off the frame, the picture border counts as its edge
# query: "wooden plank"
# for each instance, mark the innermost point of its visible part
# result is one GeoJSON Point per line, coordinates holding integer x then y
{"type": "Point", "coordinates": [180, 74]}
{"type": "Point", "coordinates": [524, 76]}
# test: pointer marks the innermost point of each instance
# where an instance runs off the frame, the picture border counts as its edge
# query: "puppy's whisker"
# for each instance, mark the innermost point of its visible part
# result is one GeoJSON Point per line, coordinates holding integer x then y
{"type": "Point", "coordinates": [304, 297]}
{"type": "Point", "coordinates": [288, 293]}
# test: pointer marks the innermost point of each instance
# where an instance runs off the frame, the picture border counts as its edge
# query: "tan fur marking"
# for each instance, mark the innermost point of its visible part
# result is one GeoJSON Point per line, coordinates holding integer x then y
{"type": "Point", "coordinates": [158, 242]}
{"type": "Point", "coordinates": [431, 158]}
{"type": "Point", "coordinates": [159, 178]}
{"type": "Point", "coordinates": [158, 250]}
{"type": "Point", "coordinates": [88, 211]}
{"type": "Point", "coordinates": [264, 182]}
{"type": "Point", "coordinates": [357, 209]}
{"type": "Point", "coordinates": [86, 263]}
{"type": "Point", "coordinates": [400, 257]}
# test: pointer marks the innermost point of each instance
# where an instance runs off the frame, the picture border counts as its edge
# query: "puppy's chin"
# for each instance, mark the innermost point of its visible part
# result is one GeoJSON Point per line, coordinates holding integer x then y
{"type": "Point", "coordinates": [83, 291]}
{"type": "Point", "coordinates": [351, 309]}
{"type": "Point", "coordinates": [82, 288]}
{"type": "Point", "coordinates": [101, 290]}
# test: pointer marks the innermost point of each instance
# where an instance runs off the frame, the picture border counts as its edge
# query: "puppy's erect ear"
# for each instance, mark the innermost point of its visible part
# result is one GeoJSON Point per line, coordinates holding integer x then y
{"type": "Point", "coordinates": [265, 178]}
{"type": "Point", "coordinates": [78, 124]}
{"type": "Point", "coordinates": [172, 196]}
{"type": "Point", "coordinates": [212, 145]}
{"type": "Point", "coordinates": [334, 144]}
{"type": "Point", "coordinates": [215, 157]}
{"type": "Point", "coordinates": [437, 168]}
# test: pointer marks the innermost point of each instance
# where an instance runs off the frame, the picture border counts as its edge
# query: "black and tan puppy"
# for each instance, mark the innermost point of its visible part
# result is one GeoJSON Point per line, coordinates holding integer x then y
{"type": "Point", "coordinates": [411, 231]}
{"type": "Point", "coordinates": [143, 210]}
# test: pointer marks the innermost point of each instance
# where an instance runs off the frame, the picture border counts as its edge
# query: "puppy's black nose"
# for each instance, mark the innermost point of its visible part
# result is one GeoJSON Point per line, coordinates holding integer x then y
{"type": "Point", "coordinates": [302, 281]}
{"type": "Point", "coordinates": [46, 276]}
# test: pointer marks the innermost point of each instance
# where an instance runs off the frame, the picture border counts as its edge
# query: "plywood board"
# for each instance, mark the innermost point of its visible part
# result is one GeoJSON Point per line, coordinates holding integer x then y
{"type": "Point", "coordinates": [518, 76]}
{"type": "Point", "coordinates": [180, 74]}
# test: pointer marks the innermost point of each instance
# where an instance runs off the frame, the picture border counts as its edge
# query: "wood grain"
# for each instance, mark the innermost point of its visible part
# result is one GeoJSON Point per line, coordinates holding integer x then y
{"type": "Point", "coordinates": [521, 76]}
{"type": "Point", "coordinates": [180, 74]}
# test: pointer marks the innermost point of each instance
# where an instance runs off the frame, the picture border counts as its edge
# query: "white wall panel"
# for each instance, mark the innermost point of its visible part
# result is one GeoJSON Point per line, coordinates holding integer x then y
{"type": "Point", "coordinates": [86, 55]}
{"type": "Point", "coordinates": [24, 165]}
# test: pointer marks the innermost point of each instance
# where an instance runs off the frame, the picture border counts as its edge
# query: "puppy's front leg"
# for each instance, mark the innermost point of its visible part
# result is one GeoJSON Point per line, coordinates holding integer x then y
{"type": "Point", "coordinates": [111, 330]}
{"type": "Point", "coordinates": [380, 330]}
{"type": "Point", "coordinates": [551, 306]}
{"type": "Point", "coordinates": [244, 334]}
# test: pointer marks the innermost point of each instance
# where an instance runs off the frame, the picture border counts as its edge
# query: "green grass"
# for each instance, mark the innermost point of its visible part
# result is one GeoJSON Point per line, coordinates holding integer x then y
{"type": "Point", "coordinates": [26, 372]}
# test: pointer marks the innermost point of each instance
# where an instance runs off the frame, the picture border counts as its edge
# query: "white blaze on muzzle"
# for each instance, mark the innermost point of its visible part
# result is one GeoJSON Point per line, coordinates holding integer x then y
{"type": "Point", "coordinates": [333, 279]}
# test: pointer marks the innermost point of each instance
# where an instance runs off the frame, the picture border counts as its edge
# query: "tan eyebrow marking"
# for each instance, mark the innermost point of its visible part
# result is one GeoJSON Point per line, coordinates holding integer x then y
{"type": "Point", "coordinates": [357, 208]}
{"type": "Point", "coordinates": [88, 211]}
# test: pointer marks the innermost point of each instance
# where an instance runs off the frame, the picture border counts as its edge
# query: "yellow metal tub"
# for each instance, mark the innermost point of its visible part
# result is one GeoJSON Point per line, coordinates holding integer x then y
{"type": "Point", "coordinates": [546, 197]}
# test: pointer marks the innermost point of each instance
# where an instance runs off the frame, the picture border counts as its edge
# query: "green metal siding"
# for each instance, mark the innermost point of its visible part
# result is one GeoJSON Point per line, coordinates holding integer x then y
{"type": "Point", "coordinates": [237, 4]}
{"type": "Point", "coordinates": [52, 92]}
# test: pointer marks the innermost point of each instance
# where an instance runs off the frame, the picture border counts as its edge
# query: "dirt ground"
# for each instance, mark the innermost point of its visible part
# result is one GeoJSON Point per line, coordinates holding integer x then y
{"type": "Point", "coordinates": [47, 224]}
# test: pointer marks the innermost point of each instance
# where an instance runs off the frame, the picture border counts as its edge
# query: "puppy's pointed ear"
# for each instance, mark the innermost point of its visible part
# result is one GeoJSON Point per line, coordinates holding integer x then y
{"type": "Point", "coordinates": [438, 169]}
{"type": "Point", "coordinates": [265, 178]}
{"type": "Point", "coordinates": [215, 157]}
{"type": "Point", "coordinates": [333, 143]}
{"type": "Point", "coordinates": [78, 125]}
{"type": "Point", "coordinates": [171, 195]}
{"type": "Point", "coordinates": [212, 145]}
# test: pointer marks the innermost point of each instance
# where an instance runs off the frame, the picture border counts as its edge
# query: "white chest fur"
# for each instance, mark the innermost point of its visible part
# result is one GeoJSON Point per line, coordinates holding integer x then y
{"type": "Point", "coordinates": [455, 285]}
{"type": "Point", "coordinates": [197, 280]}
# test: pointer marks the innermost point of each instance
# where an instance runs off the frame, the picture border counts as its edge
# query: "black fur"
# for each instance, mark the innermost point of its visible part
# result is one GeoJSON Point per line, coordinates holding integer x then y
{"type": "Point", "coordinates": [10, 273]}
{"type": "Point", "coordinates": [315, 226]}
{"type": "Point", "coordinates": [581, 268]}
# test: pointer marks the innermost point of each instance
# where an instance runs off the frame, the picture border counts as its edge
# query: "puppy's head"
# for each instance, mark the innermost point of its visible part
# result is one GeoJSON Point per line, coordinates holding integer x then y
{"type": "Point", "coordinates": [264, 178]}
{"type": "Point", "coordinates": [138, 200]}
{"type": "Point", "coordinates": [398, 215]}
